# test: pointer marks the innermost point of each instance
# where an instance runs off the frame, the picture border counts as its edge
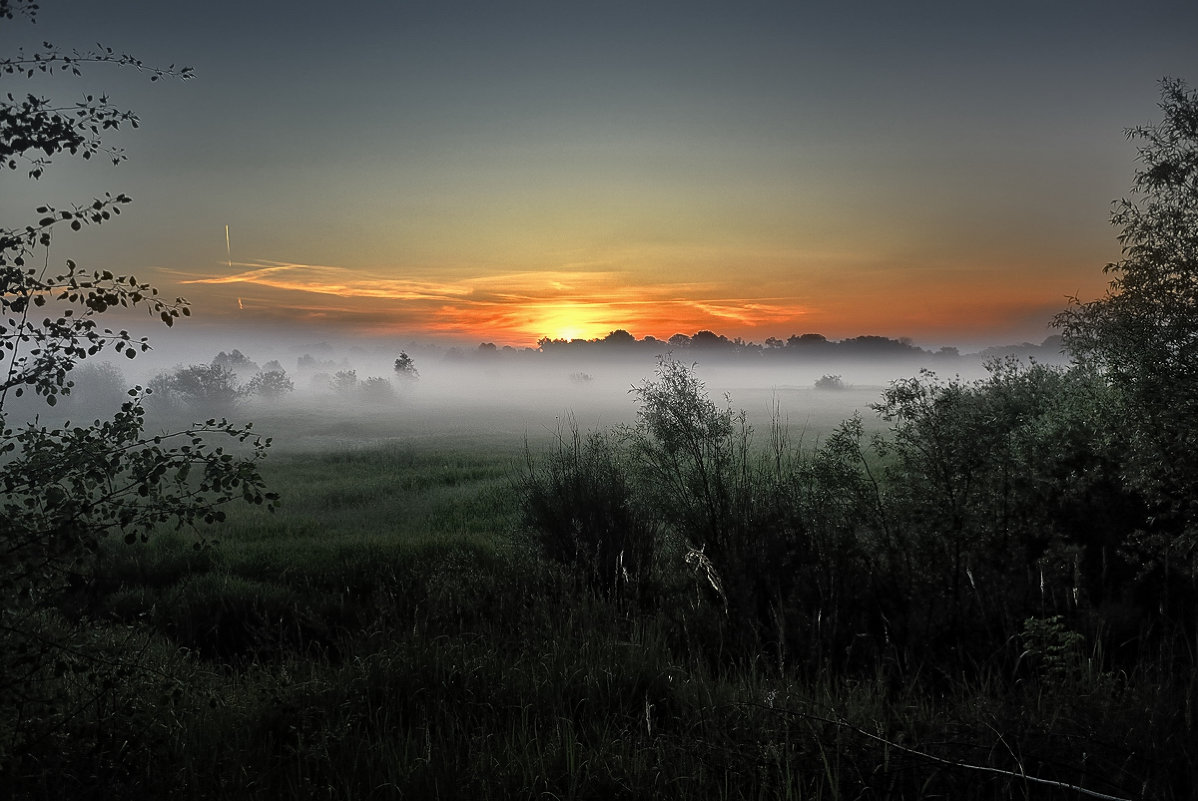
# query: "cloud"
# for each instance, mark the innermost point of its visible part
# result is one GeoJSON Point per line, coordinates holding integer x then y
{"type": "Point", "coordinates": [519, 306]}
{"type": "Point", "coordinates": [327, 280]}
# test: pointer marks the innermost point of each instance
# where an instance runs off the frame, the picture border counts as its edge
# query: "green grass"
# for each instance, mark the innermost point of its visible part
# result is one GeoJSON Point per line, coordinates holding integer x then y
{"type": "Point", "coordinates": [390, 633]}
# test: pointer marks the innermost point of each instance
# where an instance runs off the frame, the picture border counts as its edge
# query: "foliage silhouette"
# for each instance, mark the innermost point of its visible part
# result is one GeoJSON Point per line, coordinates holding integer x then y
{"type": "Point", "coordinates": [1143, 336]}
{"type": "Point", "coordinates": [236, 362]}
{"type": "Point", "coordinates": [405, 368]}
{"type": "Point", "coordinates": [202, 388]}
{"type": "Point", "coordinates": [67, 489]}
{"type": "Point", "coordinates": [582, 501]}
{"type": "Point", "coordinates": [344, 382]}
{"type": "Point", "coordinates": [376, 389]}
{"type": "Point", "coordinates": [270, 384]}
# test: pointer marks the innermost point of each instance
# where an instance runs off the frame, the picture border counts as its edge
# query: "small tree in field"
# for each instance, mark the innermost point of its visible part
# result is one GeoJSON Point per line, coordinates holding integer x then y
{"type": "Point", "coordinates": [344, 382]}
{"type": "Point", "coordinates": [205, 388]}
{"type": "Point", "coordinates": [693, 456]}
{"type": "Point", "coordinates": [405, 368]}
{"type": "Point", "coordinates": [236, 362]}
{"type": "Point", "coordinates": [67, 489]}
{"type": "Point", "coordinates": [377, 389]}
{"type": "Point", "coordinates": [270, 384]}
{"type": "Point", "coordinates": [829, 382]}
{"type": "Point", "coordinates": [97, 387]}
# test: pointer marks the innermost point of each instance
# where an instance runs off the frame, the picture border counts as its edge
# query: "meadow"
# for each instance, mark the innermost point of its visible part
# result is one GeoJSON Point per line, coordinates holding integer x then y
{"type": "Point", "coordinates": [532, 574]}
{"type": "Point", "coordinates": [407, 625]}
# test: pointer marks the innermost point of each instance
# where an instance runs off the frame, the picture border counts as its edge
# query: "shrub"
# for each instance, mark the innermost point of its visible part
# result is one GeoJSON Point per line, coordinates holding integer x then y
{"type": "Point", "coordinates": [984, 479]}
{"type": "Point", "coordinates": [377, 389]}
{"type": "Point", "coordinates": [236, 362]}
{"type": "Point", "coordinates": [270, 384]}
{"type": "Point", "coordinates": [727, 506]}
{"type": "Point", "coordinates": [202, 388]}
{"type": "Point", "coordinates": [405, 368]}
{"type": "Point", "coordinates": [583, 504]}
{"type": "Point", "coordinates": [344, 382]}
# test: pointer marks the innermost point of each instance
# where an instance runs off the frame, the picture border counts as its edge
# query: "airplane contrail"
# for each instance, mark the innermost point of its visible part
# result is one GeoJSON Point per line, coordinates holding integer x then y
{"type": "Point", "coordinates": [229, 259]}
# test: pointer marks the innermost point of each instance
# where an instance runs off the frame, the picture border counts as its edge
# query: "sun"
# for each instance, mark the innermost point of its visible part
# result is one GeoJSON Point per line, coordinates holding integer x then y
{"type": "Point", "coordinates": [573, 321]}
{"type": "Point", "coordinates": [566, 334]}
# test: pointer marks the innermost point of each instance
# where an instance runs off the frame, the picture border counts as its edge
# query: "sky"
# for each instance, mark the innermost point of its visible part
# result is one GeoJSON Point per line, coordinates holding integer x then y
{"type": "Point", "coordinates": [502, 172]}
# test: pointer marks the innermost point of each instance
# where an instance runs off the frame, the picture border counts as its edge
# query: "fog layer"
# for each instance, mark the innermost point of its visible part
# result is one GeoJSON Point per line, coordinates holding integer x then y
{"type": "Point", "coordinates": [320, 395]}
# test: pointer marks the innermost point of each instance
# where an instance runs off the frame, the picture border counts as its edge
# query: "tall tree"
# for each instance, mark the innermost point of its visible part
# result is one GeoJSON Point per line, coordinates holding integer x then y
{"type": "Point", "coordinates": [1143, 334]}
{"type": "Point", "coordinates": [65, 489]}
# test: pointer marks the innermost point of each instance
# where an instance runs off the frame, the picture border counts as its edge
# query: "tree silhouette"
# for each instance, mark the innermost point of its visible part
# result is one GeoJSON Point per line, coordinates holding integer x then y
{"type": "Point", "coordinates": [66, 489]}
{"type": "Point", "coordinates": [344, 382]}
{"type": "Point", "coordinates": [406, 368]}
{"type": "Point", "coordinates": [1144, 332]}
{"type": "Point", "coordinates": [207, 388]}
{"type": "Point", "coordinates": [270, 384]}
{"type": "Point", "coordinates": [236, 362]}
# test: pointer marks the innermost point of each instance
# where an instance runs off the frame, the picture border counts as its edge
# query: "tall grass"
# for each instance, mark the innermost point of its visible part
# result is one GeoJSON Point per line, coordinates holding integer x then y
{"type": "Point", "coordinates": [433, 622]}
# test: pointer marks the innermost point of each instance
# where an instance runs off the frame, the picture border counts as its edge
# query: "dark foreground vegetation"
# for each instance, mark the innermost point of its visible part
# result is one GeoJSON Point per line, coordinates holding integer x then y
{"type": "Point", "coordinates": [995, 598]}
{"type": "Point", "coordinates": [676, 609]}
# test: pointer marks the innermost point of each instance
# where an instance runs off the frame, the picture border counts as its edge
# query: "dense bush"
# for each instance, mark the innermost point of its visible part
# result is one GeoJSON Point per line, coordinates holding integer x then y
{"type": "Point", "coordinates": [580, 499]}
{"type": "Point", "coordinates": [984, 504]}
{"type": "Point", "coordinates": [270, 384]}
{"type": "Point", "coordinates": [197, 388]}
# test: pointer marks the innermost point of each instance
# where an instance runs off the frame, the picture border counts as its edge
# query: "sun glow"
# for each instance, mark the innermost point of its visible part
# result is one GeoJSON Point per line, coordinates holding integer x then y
{"type": "Point", "coordinates": [572, 320]}
{"type": "Point", "coordinates": [516, 308]}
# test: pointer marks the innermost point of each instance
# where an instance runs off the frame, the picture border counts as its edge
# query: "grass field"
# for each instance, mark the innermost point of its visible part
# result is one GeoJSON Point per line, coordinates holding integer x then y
{"type": "Point", "coordinates": [392, 631]}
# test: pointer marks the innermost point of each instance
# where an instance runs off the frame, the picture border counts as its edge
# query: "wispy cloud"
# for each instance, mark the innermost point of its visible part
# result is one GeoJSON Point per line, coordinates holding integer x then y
{"type": "Point", "coordinates": [328, 280]}
{"type": "Point", "coordinates": [516, 306]}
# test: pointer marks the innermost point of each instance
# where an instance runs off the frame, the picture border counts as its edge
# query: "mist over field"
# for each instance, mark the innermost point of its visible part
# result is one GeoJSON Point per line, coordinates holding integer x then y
{"type": "Point", "coordinates": [348, 393]}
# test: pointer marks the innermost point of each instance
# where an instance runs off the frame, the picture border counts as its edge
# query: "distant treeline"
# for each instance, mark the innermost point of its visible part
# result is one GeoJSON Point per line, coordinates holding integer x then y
{"type": "Point", "coordinates": [808, 347]}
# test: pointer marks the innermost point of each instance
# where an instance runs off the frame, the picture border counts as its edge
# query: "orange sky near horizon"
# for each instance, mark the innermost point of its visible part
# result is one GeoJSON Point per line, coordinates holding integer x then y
{"type": "Point", "coordinates": [520, 308]}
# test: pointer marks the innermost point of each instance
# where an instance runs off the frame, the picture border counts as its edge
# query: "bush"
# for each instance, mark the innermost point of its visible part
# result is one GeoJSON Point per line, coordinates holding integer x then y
{"type": "Point", "coordinates": [200, 388]}
{"type": "Point", "coordinates": [405, 368]}
{"type": "Point", "coordinates": [377, 389]}
{"type": "Point", "coordinates": [582, 503]}
{"type": "Point", "coordinates": [270, 384]}
{"type": "Point", "coordinates": [985, 481]}
{"type": "Point", "coordinates": [344, 382]}
{"type": "Point", "coordinates": [236, 362]}
{"type": "Point", "coordinates": [97, 389]}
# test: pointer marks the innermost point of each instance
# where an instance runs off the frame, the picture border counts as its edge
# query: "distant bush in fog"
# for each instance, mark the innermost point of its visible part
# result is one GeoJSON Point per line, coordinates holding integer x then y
{"type": "Point", "coordinates": [272, 384]}
{"type": "Point", "coordinates": [377, 389]}
{"type": "Point", "coordinates": [344, 382]}
{"type": "Point", "coordinates": [97, 387]}
{"type": "Point", "coordinates": [308, 362]}
{"type": "Point", "coordinates": [236, 362]}
{"type": "Point", "coordinates": [208, 388]}
{"type": "Point", "coordinates": [405, 368]}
